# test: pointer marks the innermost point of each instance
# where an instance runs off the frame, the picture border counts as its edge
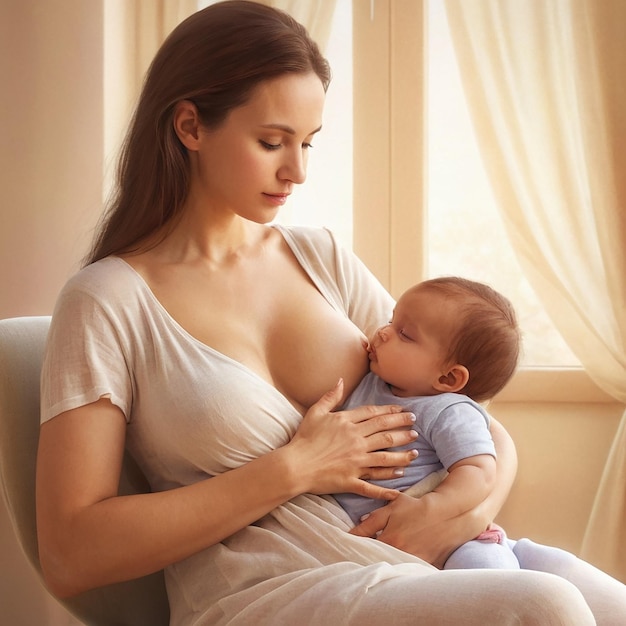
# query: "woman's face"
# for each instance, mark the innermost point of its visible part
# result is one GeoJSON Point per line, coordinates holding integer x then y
{"type": "Point", "coordinates": [250, 164]}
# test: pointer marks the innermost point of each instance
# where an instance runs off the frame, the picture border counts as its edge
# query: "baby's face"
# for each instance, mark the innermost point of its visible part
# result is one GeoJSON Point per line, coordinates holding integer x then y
{"type": "Point", "coordinates": [409, 353]}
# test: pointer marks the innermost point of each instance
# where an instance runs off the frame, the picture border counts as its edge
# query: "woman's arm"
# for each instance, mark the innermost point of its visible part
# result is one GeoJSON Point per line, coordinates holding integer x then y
{"type": "Point", "coordinates": [506, 469]}
{"type": "Point", "coordinates": [468, 483]}
{"type": "Point", "coordinates": [89, 536]}
{"type": "Point", "coordinates": [434, 541]}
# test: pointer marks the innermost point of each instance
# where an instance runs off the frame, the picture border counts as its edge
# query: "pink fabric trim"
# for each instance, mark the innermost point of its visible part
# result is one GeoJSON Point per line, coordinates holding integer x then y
{"type": "Point", "coordinates": [493, 534]}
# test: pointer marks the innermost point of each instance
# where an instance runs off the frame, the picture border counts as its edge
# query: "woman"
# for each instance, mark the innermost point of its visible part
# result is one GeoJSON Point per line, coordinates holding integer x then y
{"type": "Point", "coordinates": [203, 339]}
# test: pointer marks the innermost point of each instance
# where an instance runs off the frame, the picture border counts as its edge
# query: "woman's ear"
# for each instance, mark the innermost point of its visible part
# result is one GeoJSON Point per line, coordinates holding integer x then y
{"type": "Point", "coordinates": [454, 380]}
{"type": "Point", "coordinates": [187, 124]}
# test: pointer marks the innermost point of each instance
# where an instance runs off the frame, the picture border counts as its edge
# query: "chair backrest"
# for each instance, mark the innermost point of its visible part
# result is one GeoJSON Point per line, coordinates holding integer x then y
{"type": "Point", "coordinates": [141, 602]}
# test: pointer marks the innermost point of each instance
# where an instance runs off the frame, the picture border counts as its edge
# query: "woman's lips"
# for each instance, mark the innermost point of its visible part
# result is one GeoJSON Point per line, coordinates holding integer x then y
{"type": "Point", "coordinates": [277, 198]}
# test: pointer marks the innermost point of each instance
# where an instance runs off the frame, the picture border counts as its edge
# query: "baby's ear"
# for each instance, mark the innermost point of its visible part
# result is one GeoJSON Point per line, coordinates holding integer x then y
{"type": "Point", "coordinates": [454, 380]}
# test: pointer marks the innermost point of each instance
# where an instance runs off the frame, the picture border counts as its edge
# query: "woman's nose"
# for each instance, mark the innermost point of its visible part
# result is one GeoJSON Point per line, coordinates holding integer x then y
{"type": "Point", "coordinates": [294, 168]}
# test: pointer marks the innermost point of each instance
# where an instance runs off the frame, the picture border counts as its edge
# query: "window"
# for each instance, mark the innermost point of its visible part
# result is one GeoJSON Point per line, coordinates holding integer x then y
{"type": "Point", "coordinates": [465, 234]}
{"type": "Point", "coordinates": [326, 197]}
{"type": "Point", "coordinates": [458, 208]}
{"type": "Point", "coordinates": [456, 212]}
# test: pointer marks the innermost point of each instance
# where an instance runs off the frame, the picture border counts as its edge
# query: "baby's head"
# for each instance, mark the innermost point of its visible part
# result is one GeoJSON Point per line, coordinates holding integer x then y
{"type": "Point", "coordinates": [448, 335]}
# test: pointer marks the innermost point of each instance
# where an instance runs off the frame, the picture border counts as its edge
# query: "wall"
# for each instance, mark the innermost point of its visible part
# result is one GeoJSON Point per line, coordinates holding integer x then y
{"type": "Point", "coordinates": [51, 180]}
{"type": "Point", "coordinates": [50, 147]}
{"type": "Point", "coordinates": [562, 448]}
{"type": "Point", "coordinates": [563, 426]}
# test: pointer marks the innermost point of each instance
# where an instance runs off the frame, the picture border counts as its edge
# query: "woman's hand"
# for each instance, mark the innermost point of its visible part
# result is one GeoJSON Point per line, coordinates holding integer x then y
{"type": "Point", "coordinates": [435, 541]}
{"type": "Point", "coordinates": [337, 451]}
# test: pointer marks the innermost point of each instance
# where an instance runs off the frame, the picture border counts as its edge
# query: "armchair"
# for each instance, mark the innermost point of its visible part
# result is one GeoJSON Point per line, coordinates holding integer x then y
{"type": "Point", "coordinates": [141, 602]}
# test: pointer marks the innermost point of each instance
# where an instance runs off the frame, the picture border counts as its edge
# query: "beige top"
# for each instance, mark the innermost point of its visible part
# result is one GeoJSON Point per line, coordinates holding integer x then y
{"type": "Point", "coordinates": [193, 412]}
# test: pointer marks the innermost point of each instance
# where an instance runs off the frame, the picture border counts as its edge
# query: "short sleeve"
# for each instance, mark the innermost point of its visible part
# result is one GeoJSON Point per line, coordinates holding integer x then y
{"type": "Point", "coordinates": [368, 303]}
{"type": "Point", "coordinates": [341, 276]}
{"type": "Point", "coordinates": [84, 358]}
{"type": "Point", "coordinates": [460, 430]}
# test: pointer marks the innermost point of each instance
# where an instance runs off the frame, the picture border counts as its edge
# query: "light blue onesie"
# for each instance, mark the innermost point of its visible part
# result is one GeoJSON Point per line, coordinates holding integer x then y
{"type": "Point", "coordinates": [451, 427]}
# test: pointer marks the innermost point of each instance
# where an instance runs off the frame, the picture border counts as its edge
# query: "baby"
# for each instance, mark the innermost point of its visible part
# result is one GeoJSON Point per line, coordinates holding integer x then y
{"type": "Point", "coordinates": [451, 344]}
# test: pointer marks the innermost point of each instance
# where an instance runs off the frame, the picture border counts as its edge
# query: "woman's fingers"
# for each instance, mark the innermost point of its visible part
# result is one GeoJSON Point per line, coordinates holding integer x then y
{"type": "Point", "coordinates": [390, 439]}
{"type": "Point", "coordinates": [375, 492]}
{"type": "Point", "coordinates": [381, 420]}
{"type": "Point", "coordinates": [373, 524]}
{"type": "Point", "coordinates": [329, 400]}
{"type": "Point", "coordinates": [370, 412]}
{"type": "Point", "coordinates": [386, 465]}
{"type": "Point", "coordinates": [341, 449]}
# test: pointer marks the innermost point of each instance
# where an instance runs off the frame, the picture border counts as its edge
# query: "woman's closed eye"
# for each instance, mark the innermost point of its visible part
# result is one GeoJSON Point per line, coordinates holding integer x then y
{"type": "Point", "coordinates": [269, 146]}
{"type": "Point", "coordinates": [275, 146]}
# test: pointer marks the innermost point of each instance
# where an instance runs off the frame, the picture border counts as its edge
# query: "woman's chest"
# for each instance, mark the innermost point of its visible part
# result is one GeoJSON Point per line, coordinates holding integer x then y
{"type": "Point", "coordinates": [275, 322]}
{"type": "Point", "coordinates": [237, 387]}
{"type": "Point", "coordinates": [309, 346]}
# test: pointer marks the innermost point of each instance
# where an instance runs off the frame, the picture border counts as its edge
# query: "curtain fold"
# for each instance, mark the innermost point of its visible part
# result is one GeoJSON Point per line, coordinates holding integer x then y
{"type": "Point", "coordinates": [315, 15]}
{"type": "Point", "coordinates": [133, 32]}
{"type": "Point", "coordinates": [544, 84]}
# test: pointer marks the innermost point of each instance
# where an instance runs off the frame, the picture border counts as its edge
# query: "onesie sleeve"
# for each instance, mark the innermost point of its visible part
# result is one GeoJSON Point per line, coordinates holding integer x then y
{"type": "Point", "coordinates": [84, 358]}
{"type": "Point", "coordinates": [460, 430]}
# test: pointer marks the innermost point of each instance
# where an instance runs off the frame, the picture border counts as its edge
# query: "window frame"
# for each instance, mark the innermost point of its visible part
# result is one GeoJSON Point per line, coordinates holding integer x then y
{"type": "Point", "coordinates": [390, 187]}
{"type": "Point", "coordinates": [388, 140]}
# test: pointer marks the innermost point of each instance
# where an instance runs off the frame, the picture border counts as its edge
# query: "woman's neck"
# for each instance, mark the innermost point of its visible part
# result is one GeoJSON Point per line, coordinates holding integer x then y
{"type": "Point", "coordinates": [218, 242]}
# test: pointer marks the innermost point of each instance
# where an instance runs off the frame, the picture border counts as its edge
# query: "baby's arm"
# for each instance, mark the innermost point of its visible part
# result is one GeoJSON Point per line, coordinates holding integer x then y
{"type": "Point", "coordinates": [468, 483]}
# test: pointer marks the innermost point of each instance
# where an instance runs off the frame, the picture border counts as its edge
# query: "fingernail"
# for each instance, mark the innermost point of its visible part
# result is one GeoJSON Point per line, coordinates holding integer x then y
{"type": "Point", "coordinates": [398, 472]}
{"type": "Point", "coordinates": [364, 517]}
{"type": "Point", "coordinates": [414, 453]}
{"type": "Point", "coordinates": [412, 417]}
{"type": "Point", "coordinates": [413, 433]}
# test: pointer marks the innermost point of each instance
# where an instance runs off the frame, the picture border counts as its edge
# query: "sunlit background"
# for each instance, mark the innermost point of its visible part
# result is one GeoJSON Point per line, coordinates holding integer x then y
{"type": "Point", "coordinates": [465, 235]}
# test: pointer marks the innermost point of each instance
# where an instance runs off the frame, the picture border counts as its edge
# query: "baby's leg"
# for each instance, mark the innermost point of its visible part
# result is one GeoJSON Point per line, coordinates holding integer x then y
{"type": "Point", "coordinates": [605, 596]}
{"type": "Point", "coordinates": [482, 555]}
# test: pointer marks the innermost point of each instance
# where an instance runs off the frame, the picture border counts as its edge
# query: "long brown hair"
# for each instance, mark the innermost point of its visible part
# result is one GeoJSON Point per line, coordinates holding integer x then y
{"type": "Point", "coordinates": [215, 58]}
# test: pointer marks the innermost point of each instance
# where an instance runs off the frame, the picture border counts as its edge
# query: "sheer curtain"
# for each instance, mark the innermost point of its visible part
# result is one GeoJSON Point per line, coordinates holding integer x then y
{"type": "Point", "coordinates": [133, 31]}
{"type": "Point", "coordinates": [544, 83]}
{"type": "Point", "coordinates": [315, 15]}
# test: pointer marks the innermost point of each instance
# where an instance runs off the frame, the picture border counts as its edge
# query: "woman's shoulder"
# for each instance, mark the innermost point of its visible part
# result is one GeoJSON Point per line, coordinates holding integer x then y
{"type": "Point", "coordinates": [309, 238]}
{"type": "Point", "coordinates": [104, 285]}
{"type": "Point", "coordinates": [340, 274]}
{"type": "Point", "coordinates": [101, 304]}
{"type": "Point", "coordinates": [319, 249]}
{"type": "Point", "coordinates": [103, 276]}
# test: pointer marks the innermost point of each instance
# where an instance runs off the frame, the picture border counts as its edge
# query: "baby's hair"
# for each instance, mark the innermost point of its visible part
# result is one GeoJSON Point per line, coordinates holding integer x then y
{"type": "Point", "coordinates": [487, 340]}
